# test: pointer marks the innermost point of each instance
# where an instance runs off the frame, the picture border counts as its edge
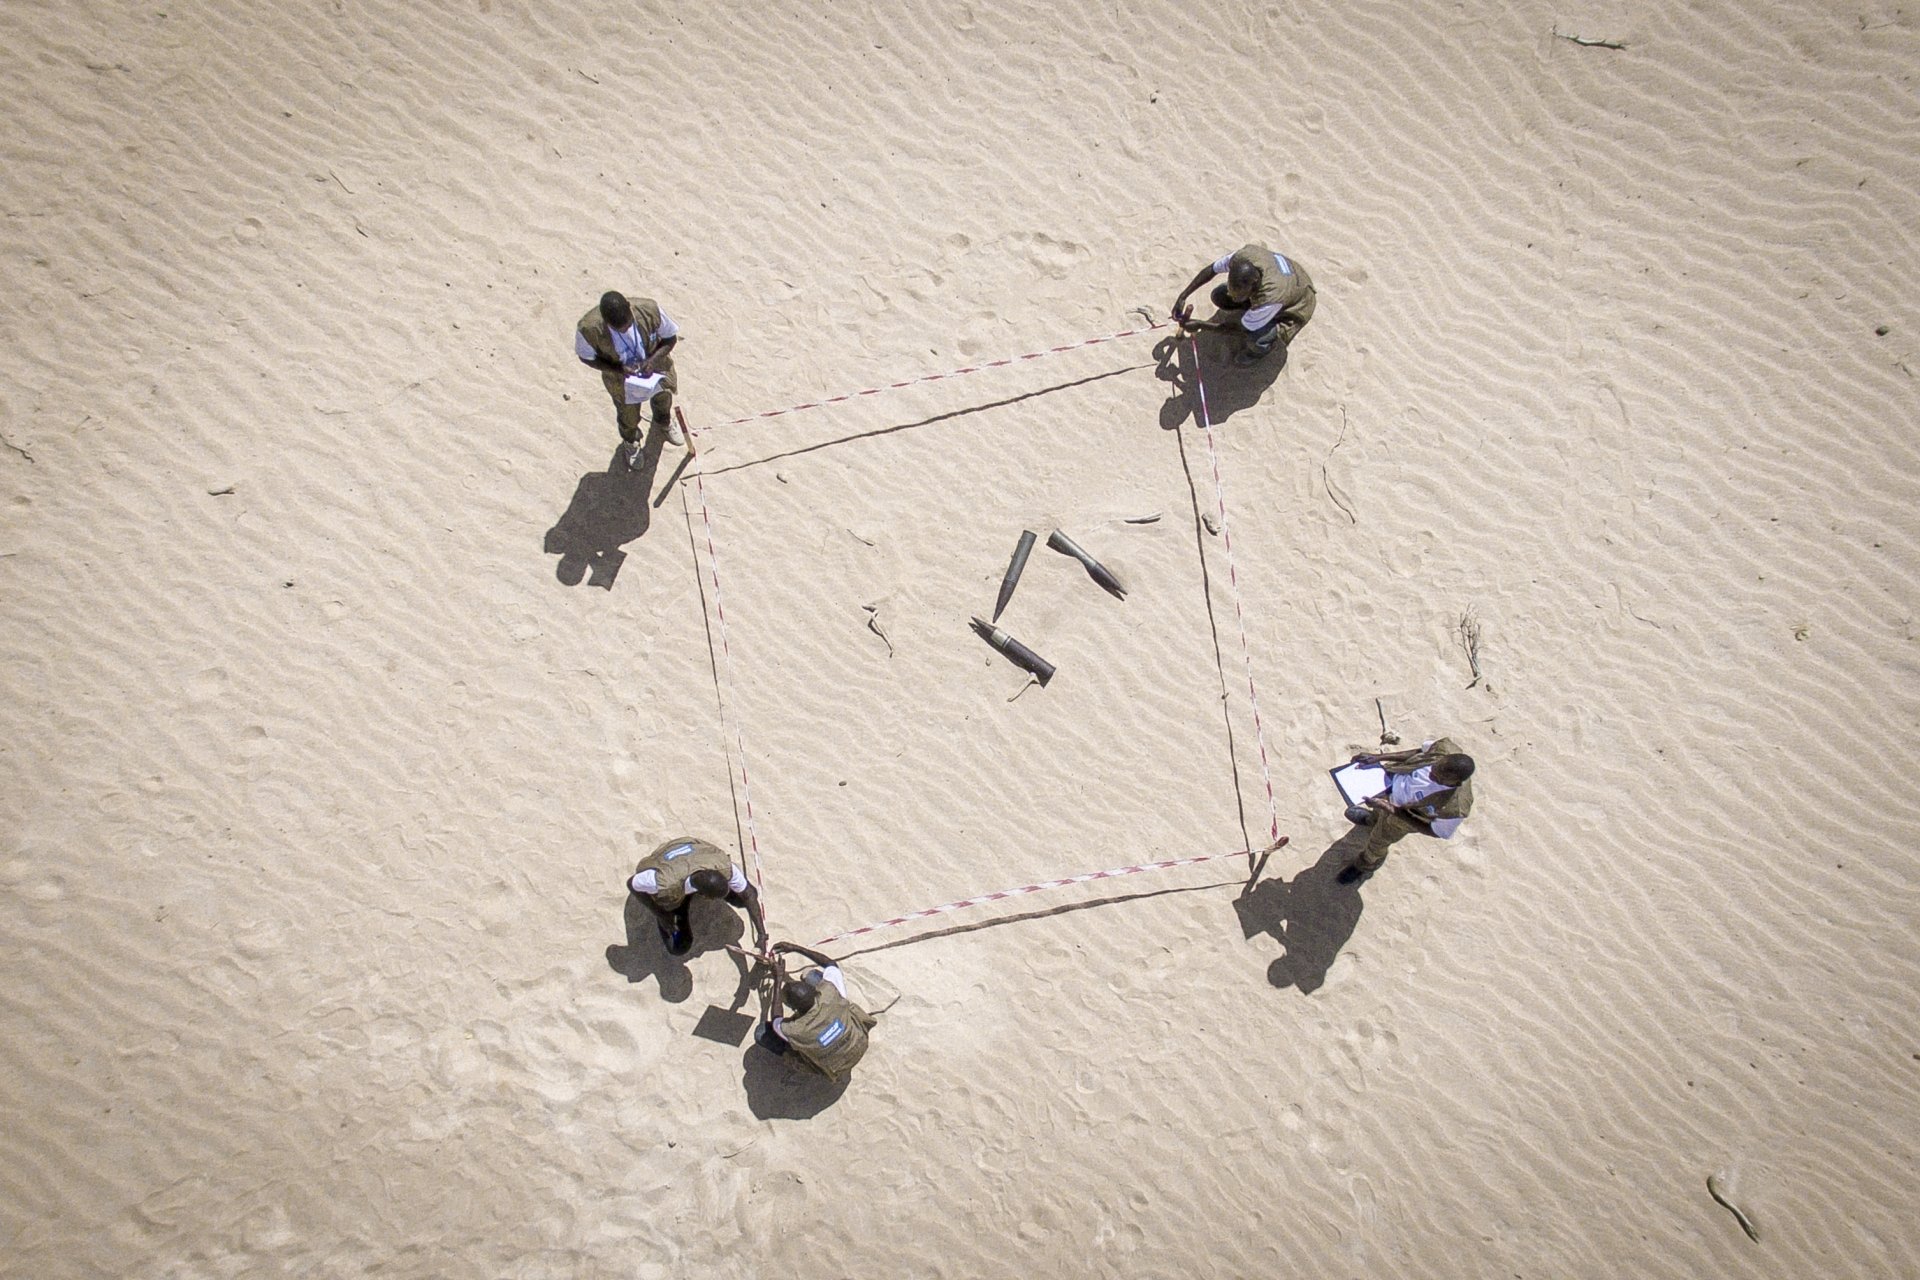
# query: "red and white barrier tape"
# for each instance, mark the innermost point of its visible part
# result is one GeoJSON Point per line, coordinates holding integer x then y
{"type": "Point", "coordinates": [1004, 894]}
{"type": "Point", "coordinates": [951, 373]}
{"type": "Point", "coordinates": [726, 648]}
{"type": "Point", "coordinates": [1233, 580]}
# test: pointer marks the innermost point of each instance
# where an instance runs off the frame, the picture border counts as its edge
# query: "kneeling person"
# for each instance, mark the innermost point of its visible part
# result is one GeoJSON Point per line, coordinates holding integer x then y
{"type": "Point", "coordinates": [812, 1016]}
{"type": "Point", "coordinates": [670, 877]}
{"type": "Point", "coordinates": [1268, 296]}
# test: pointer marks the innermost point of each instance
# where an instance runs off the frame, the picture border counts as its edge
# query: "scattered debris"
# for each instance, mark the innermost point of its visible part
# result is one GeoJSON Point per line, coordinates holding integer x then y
{"type": "Point", "coordinates": [1060, 542]}
{"type": "Point", "coordinates": [1015, 567]}
{"type": "Point", "coordinates": [1327, 483]}
{"type": "Point", "coordinates": [1016, 652]}
{"type": "Point", "coordinates": [1032, 680]}
{"type": "Point", "coordinates": [1213, 526]}
{"type": "Point", "coordinates": [873, 625]}
{"type": "Point", "coordinates": [17, 449]}
{"type": "Point", "coordinates": [1147, 519]}
{"type": "Point", "coordinates": [1326, 479]}
{"type": "Point", "coordinates": [858, 538]}
{"type": "Point", "coordinates": [1388, 738]}
{"type": "Point", "coordinates": [221, 492]}
{"type": "Point", "coordinates": [1468, 630]}
{"type": "Point", "coordinates": [1585, 43]}
{"type": "Point", "coordinates": [1718, 1190]}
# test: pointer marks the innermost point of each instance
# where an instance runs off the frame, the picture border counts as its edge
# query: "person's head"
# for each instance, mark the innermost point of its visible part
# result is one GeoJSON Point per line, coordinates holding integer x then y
{"type": "Point", "coordinates": [1242, 276]}
{"type": "Point", "coordinates": [1451, 771]}
{"type": "Point", "coordinates": [616, 310]}
{"type": "Point", "coordinates": [708, 884]}
{"type": "Point", "coordinates": [798, 996]}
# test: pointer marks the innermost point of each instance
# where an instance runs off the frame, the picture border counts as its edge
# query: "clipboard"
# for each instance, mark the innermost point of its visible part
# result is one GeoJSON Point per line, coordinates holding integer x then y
{"type": "Point", "coordinates": [1359, 782]}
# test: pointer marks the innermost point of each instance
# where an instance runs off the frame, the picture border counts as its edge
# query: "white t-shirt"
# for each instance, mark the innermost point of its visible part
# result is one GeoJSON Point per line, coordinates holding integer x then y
{"type": "Point", "coordinates": [1258, 317]}
{"type": "Point", "coordinates": [1412, 788]}
{"type": "Point", "coordinates": [830, 974]}
{"type": "Point", "coordinates": [627, 342]}
{"type": "Point", "coordinates": [649, 881]}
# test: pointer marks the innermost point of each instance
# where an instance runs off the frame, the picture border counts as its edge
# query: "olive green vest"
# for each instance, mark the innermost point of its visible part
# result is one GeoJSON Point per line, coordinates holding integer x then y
{"type": "Point", "coordinates": [831, 1036]}
{"type": "Point", "coordinates": [677, 859]}
{"type": "Point", "coordinates": [1456, 803]}
{"type": "Point", "coordinates": [646, 319]}
{"type": "Point", "coordinates": [1273, 286]}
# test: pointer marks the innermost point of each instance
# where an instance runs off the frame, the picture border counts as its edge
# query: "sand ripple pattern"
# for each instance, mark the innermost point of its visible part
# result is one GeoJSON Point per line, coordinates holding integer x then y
{"type": "Point", "coordinates": [317, 793]}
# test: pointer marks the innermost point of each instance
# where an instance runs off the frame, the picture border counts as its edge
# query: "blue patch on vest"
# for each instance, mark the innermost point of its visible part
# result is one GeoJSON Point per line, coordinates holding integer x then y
{"type": "Point", "coordinates": [1286, 268]}
{"type": "Point", "coordinates": [678, 851]}
{"type": "Point", "coordinates": [834, 1030]}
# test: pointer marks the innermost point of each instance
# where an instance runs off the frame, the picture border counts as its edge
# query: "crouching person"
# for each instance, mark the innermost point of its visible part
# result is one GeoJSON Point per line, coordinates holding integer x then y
{"type": "Point", "coordinates": [811, 1017]}
{"type": "Point", "coordinates": [668, 879]}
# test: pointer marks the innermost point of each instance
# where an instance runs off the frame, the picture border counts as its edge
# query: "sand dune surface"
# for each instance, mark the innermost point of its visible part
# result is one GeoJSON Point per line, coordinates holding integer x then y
{"type": "Point", "coordinates": [346, 669]}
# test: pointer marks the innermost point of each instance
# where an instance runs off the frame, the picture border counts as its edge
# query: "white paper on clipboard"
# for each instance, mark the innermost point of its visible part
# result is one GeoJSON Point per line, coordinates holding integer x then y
{"type": "Point", "coordinates": [1357, 782]}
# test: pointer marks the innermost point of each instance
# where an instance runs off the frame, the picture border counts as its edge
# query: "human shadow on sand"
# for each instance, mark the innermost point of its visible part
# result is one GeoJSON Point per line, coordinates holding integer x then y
{"type": "Point", "coordinates": [609, 510]}
{"type": "Point", "coordinates": [1312, 915]}
{"type": "Point", "coordinates": [779, 1088]}
{"type": "Point", "coordinates": [1230, 388]}
{"type": "Point", "coordinates": [714, 923]}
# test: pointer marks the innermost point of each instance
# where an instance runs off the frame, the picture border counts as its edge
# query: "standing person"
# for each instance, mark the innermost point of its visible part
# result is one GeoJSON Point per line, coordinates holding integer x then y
{"type": "Point", "coordinates": [670, 877]}
{"type": "Point", "coordinates": [1271, 294]}
{"type": "Point", "coordinates": [1427, 791]}
{"type": "Point", "coordinates": [824, 1029]}
{"type": "Point", "coordinates": [631, 343]}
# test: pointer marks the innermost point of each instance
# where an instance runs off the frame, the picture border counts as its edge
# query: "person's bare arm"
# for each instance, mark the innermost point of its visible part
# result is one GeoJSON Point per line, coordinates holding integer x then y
{"type": "Point", "coordinates": [820, 958]}
{"type": "Point", "coordinates": [1205, 274]}
{"type": "Point", "coordinates": [1383, 757]}
{"type": "Point", "coordinates": [749, 898]}
{"type": "Point", "coordinates": [659, 354]}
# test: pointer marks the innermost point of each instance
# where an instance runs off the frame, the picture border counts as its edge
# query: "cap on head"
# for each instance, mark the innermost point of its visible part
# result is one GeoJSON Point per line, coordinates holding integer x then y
{"type": "Point", "coordinates": [797, 995]}
{"type": "Point", "coordinates": [1453, 770]}
{"type": "Point", "coordinates": [708, 884]}
{"type": "Point", "coordinates": [616, 310]}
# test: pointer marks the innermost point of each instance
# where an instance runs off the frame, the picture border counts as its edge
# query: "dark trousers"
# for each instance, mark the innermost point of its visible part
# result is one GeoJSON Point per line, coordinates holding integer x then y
{"type": "Point", "coordinates": [1280, 331]}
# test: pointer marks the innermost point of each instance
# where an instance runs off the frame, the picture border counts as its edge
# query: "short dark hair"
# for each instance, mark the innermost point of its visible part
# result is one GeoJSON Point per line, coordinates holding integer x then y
{"type": "Point", "coordinates": [1457, 767]}
{"type": "Point", "coordinates": [709, 884]}
{"type": "Point", "coordinates": [615, 309]}
{"type": "Point", "coordinates": [798, 996]}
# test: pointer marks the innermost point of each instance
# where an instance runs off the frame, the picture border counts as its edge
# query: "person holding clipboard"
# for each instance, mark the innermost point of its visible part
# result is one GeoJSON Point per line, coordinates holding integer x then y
{"type": "Point", "coordinates": [1403, 792]}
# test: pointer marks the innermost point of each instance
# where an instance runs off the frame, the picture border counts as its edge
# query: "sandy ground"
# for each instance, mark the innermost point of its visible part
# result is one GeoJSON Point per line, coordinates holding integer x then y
{"type": "Point", "coordinates": [316, 794]}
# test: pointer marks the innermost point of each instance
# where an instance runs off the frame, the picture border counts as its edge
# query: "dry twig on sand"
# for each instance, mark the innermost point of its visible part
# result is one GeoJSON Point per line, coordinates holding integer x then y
{"type": "Point", "coordinates": [1468, 629]}
{"type": "Point", "coordinates": [873, 625]}
{"type": "Point", "coordinates": [1585, 43]}
{"type": "Point", "coordinates": [1388, 738]}
{"type": "Point", "coordinates": [1326, 481]}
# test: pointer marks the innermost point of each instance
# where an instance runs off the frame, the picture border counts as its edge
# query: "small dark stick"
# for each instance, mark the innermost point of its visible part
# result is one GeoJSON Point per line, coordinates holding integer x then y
{"type": "Point", "coordinates": [1095, 570]}
{"type": "Point", "coordinates": [1012, 580]}
{"type": "Point", "coordinates": [1020, 655]}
